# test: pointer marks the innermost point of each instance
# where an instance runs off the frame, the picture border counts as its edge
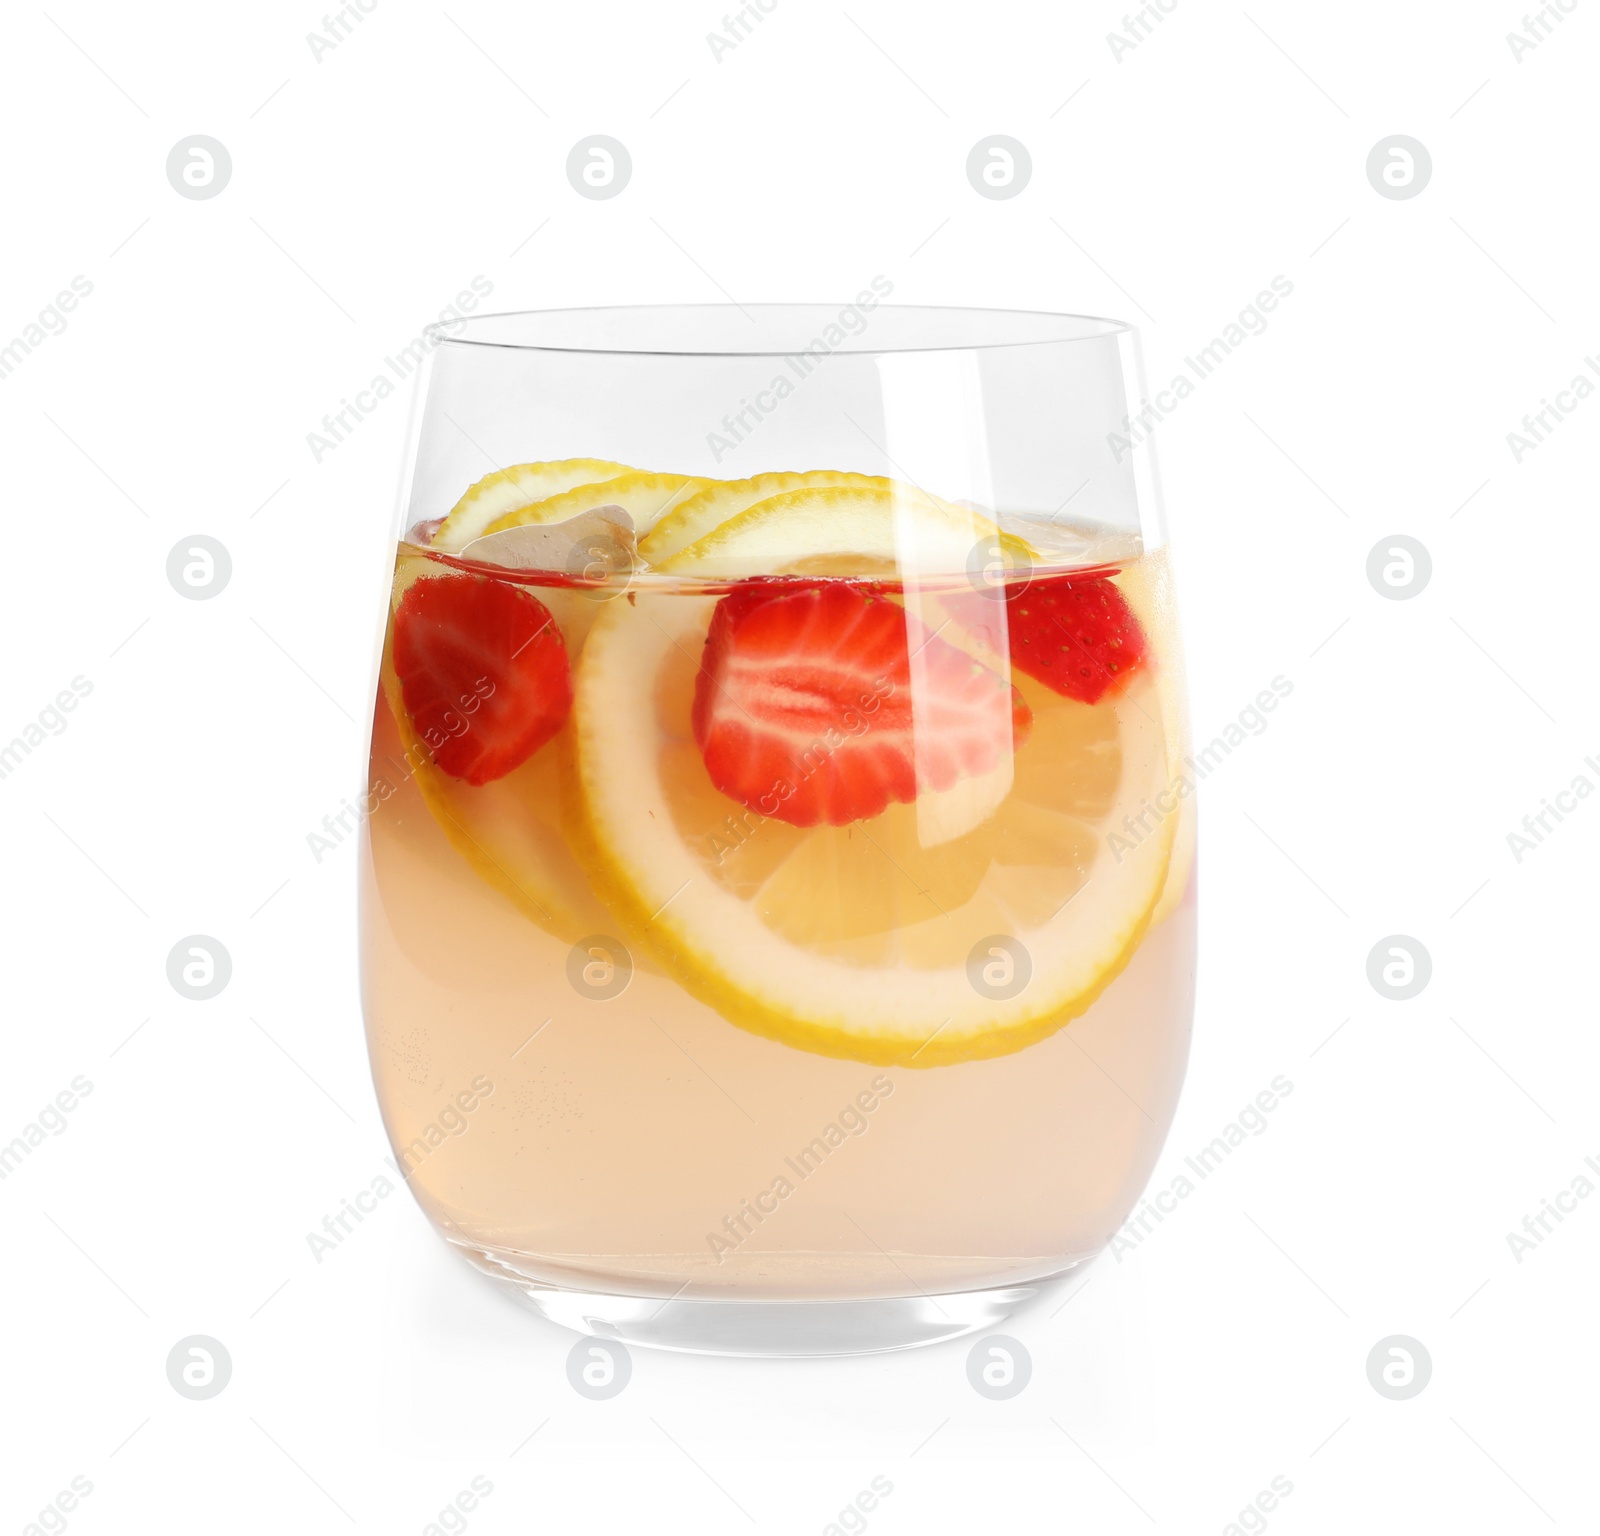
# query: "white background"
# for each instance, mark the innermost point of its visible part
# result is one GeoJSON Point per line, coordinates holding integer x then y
{"type": "Point", "coordinates": [1169, 186]}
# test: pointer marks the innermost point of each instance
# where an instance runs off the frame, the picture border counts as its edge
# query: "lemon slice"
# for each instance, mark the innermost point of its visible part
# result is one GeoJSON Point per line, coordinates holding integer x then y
{"type": "Point", "coordinates": [644, 496]}
{"type": "Point", "coordinates": [1147, 584]}
{"type": "Point", "coordinates": [507, 489]}
{"type": "Point", "coordinates": [874, 941]}
{"type": "Point", "coordinates": [512, 832]}
{"type": "Point", "coordinates": [1182, 866]}
{"type": "Point", "coordinates": [694, 518]}
{"type": "Point", "coordinates": [879, 528]}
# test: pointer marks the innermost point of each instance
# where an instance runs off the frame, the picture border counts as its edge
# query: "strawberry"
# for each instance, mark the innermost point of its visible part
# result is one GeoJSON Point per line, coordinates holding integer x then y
{"type": "Point", "coordinates": [1076, 635]}
{"type": "Point", "coordinates": [803, 706]}
{"type": "Point", "coordinates": [483, 671]}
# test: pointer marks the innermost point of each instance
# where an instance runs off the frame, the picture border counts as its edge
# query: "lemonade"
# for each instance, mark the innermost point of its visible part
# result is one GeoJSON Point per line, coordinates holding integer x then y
{"type": "Point", "coordinates": [765, 900]}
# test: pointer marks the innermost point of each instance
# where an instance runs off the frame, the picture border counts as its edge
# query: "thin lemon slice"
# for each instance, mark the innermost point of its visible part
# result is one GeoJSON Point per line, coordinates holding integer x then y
{"type": "Point", "coordinates": [1182, 866]}
{"type": "Point", "coordinates": [874, 942]}
{"type": "Point", "coordinates": [644, 496]}
{"type": "Point", "coordinates": [693, 519]}
{"type": "Point", "coordinates": [512, 831]}
{"type": "Point", "coordinates": [507, 489]}
{"type": "Point", "coordinates": [1147, 584]}
{"type": "Point", "coordinates": [884, 528]}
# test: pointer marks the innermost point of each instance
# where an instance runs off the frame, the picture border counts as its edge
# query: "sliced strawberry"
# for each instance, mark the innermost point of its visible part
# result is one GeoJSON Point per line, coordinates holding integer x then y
{"type": "Point", "coordinates": [483, 671]}
{"type": "Point", "coordinates": [1076, 635]}
{"type": "Point", "coordinates": [803, 708]}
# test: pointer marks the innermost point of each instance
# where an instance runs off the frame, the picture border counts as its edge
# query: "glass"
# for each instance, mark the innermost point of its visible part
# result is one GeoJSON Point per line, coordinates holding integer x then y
{"type": "Point", "coordinates": [777, 882]}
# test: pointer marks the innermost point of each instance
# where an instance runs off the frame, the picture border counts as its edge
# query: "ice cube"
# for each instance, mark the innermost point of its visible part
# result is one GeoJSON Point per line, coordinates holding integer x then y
{"type": "Point", "coordinates": [594, 546]}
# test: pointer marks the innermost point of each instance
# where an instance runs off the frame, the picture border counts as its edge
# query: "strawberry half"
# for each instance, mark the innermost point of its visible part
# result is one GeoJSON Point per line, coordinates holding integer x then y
{"type": "Point", "coordinates": [483, 671]}
{"type": "Point", "coordinates": [1076, 635]}
{"type": "Point", "coordinates": [803, 705]}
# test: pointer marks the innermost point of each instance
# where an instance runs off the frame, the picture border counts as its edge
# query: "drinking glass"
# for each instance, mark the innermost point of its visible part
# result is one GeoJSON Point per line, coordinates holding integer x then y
{"type": "Point", "coordinates": [777, 896]}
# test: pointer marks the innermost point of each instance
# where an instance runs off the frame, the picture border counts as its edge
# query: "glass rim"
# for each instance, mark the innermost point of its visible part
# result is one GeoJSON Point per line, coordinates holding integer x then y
{"type": "Point", "coordinates": [498, 330]}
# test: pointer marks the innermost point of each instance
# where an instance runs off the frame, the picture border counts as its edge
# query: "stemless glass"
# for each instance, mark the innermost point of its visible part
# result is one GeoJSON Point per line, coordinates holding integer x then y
{"type": "Point", "coordinates": [777, 882]}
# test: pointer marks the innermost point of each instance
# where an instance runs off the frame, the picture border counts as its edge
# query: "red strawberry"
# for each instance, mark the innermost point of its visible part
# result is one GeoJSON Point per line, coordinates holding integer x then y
{"type": "Point", "coordinates": [1076, 635]}
{"type": "Point", "coordinates": [483, 671]}
{"type": "Point", "coordinates": [803, 707]}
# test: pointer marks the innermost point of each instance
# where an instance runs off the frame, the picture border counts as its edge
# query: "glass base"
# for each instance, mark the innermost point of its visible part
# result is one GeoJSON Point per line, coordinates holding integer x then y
{"type": "Point", "coordinates": [767, 1329]}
